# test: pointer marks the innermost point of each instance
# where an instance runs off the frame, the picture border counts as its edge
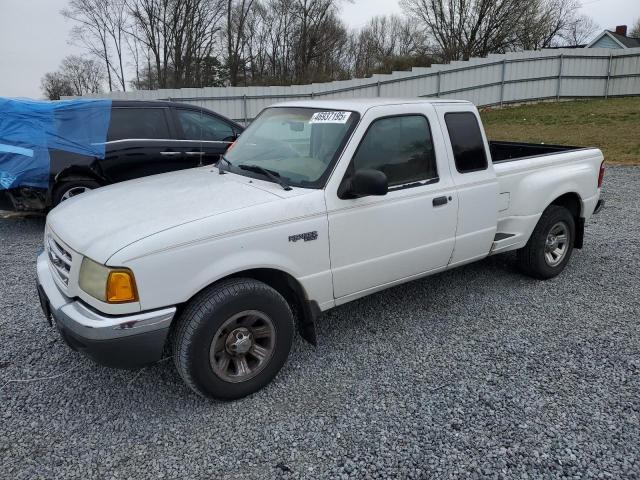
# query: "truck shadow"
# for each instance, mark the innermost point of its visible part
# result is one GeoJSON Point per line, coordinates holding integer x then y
{"type": "Point", "coordinates": [362, 321]}
{"type": "Point", "coordinates": [475, 280]}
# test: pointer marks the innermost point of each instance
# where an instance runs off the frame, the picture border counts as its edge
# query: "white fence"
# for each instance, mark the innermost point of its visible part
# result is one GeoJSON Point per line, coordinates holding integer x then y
{"type": "Point", "coordinates": [495, 80]}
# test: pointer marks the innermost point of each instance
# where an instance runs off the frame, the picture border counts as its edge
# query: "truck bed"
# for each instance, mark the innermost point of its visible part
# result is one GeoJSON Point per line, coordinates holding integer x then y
{"type": "Point", "coordinates": [512, 151]}
{"type": "Point", "coordinates": [531, 177]}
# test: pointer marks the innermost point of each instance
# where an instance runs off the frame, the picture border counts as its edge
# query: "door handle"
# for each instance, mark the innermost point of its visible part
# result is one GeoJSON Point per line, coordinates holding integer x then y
{"type": "Point", "coordinates": [439, 201]}
{"type": "Point", "coordinates": [194, 154]}
{"type": "Point", "coordinates": [170, 154]}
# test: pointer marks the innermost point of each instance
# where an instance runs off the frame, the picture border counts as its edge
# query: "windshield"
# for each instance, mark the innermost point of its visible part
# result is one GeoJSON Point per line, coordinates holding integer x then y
{"type": "Point", "coordinates": [299, 145]}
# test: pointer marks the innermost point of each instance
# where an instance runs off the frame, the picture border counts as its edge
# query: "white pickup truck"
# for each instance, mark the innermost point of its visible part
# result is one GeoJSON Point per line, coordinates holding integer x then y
{"type": "Point", "coordinates": [318, 203]}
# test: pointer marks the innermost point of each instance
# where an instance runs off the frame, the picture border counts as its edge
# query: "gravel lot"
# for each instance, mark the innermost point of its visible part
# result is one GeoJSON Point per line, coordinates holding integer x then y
{"type": "Point", "coordinates": [477, 372]}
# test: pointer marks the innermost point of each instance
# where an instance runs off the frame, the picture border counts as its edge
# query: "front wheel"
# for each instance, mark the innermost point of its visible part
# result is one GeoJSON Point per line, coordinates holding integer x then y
{"type": "Point", "coordinates": [548, 250]}
{"type": "Point", "coordinates": [233, 338]}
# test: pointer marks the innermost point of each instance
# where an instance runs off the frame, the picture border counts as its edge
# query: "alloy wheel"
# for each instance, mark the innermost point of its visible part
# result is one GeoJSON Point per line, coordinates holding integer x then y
{"type": "Point", "coordinates": [556, 245]}
{"type": "Point", "coordinates": [242, 346]}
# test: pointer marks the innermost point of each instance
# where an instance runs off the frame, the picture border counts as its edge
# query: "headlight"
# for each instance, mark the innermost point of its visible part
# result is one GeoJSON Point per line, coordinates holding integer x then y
{"type": "Point", "coordinates": [110, 285]}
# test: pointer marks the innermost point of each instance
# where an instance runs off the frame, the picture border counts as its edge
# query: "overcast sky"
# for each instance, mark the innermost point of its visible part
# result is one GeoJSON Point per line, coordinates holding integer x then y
{"type": "Point", "coordinates": [34, 36]}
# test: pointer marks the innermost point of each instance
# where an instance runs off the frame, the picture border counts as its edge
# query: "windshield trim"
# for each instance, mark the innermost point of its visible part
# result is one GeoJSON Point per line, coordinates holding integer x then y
{"type": "Point", "coordinates": [322, 181]}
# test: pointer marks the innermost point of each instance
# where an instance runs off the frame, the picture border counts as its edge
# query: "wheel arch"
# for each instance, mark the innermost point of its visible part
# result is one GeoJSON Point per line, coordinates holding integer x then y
{"type": "Point", "coordinates": [305, 311]}
{"type": "Point", "coordinates": [77, 172]}
{"type": "Point", "coordinates": [573, 203]}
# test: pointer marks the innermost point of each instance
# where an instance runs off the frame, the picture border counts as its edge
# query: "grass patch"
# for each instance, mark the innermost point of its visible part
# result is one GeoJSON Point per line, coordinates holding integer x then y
{"type": "Point", "coordinates": [611, 125]}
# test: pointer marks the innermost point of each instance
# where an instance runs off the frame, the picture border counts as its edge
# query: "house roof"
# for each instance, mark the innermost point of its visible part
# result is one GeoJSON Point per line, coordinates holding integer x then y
{"type": "Point", "coordinates": [629, 42]}
{"type": "Point", "coordinates": [624, 42]}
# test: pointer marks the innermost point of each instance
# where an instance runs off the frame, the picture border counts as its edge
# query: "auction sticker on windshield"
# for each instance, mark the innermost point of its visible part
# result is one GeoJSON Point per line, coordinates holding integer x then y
{"type": "Point", "coordinates": [330, 117]}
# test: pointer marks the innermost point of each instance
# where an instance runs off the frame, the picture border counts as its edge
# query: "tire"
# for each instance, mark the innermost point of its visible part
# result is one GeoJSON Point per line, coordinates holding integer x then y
{"type": "Point", "coordinates": [223, 324]}
{"type": "Point", "coordinates": [550, 246]}
{"type": "Point", "coordinates": [66, 189]}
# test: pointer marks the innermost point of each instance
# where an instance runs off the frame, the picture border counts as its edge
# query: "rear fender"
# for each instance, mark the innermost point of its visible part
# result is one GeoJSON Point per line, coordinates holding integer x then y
{"type": "Point", "coordinates": [539, 190]}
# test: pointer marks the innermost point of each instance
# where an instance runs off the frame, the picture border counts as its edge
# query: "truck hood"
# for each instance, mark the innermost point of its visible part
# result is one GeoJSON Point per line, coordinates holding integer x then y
{"type": "Point", "coordinates": [99, 223]}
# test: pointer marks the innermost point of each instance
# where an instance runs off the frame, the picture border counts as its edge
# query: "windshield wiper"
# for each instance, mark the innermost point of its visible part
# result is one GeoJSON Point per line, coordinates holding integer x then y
{"type": "Point", "coordinates": [223, 159]}
{"type": "Point", "coordinates": [274, 176]}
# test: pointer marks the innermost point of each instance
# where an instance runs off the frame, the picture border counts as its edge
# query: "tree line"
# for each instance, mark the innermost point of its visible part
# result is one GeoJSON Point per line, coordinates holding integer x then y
{"type": "Point", "coordinates": [151, 44]}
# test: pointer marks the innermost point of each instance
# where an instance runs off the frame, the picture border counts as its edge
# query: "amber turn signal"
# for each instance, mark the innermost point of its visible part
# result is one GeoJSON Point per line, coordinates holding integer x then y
{"type": "Point", "coordinates": [121, 287]}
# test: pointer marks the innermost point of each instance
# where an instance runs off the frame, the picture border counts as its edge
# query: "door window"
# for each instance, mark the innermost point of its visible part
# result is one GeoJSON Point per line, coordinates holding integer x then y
{"type": "Point", "coordinates": [466, 141]}
{"type": "Point", "coordinates": [127, 123]}
{"type": "Point", "coordinates": [200, 126]}
{"type": "Point", "coordinates": [401, 147]}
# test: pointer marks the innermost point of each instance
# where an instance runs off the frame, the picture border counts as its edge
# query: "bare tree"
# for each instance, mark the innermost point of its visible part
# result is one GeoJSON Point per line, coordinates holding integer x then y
{"type": "Point", "coordinates": [179, 36]}
{"type": "Point", "coordinates": [237, 13]}
{"type": "Point", "coordinates": [317, 32]}
{"type": "Point", "coordinates": [194, 43]}
{"type": "Point", "coordinates": [579, 31]}
{"type": "Point", "coordinates": [635, 29]}
{"type": "Point", "coordinates": [85, 74]}
{"type": "Point", "coordinates": [465, 28]}
{"type": "Point", "coordinates": [101, 30]}
{"type": "Point", "coordinates": [136, 56]}
{"type": "Point", "coordinates": [76, 76]}
{"type": "Point", "coordinates": [150, 20]}
{"type": "Point", "coordinates": [116, 26]}
{"type": "Point", "coordinates": [279, 23]}
{"type": "Point", "coordinates": [55, 85]}
{"type": "Point", "coordinates": [389, 43]}
{"type": "Point", "coordinates": [548, 23]}
{"type": "Point", "coordinates": [285, 41]}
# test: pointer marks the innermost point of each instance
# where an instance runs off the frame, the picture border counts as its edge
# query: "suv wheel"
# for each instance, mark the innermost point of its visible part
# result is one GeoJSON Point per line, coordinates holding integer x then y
{"type": "Point", "coordinates": [233, 339]}
{"type": "Point", "coordinates": [67, 189]}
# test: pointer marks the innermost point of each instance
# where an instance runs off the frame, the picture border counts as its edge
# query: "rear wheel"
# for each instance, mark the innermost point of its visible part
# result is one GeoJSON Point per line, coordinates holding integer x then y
{"type": "Point", "coordinates": [233, 339]}
{"type": "Point", "coordinates": [67, 189]}
{"type": "Point", "coordinates": [548, 250]}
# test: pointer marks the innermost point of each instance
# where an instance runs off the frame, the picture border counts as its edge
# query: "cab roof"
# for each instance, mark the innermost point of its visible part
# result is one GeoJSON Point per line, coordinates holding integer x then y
{"type": "Point", "coordinates": [361, 105]}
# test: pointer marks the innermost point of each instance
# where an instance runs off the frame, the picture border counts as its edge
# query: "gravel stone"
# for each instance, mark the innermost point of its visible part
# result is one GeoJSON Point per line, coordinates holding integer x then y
{"type": "Point", "coordinates": [473, 373]}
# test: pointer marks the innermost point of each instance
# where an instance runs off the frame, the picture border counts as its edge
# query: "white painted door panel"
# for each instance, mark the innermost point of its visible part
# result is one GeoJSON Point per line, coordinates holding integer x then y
{"type": "Point", "coordinates": [378, 242]}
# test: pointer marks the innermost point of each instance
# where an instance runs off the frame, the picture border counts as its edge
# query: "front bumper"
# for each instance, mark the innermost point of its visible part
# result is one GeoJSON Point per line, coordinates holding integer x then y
{"type": "Point", "coordinates": [120, 341]}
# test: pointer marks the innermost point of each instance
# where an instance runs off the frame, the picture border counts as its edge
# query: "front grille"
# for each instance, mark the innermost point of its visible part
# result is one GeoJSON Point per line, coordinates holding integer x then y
{"type": "Point", "coordinates": [60, 259]}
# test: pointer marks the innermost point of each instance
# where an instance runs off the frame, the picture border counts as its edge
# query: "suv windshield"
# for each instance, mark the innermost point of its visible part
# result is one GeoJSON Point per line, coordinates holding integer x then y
{"type": "Point", "coordinates": [299, 145]}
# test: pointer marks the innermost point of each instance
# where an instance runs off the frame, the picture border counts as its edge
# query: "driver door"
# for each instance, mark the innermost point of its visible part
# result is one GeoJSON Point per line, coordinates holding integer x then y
{"type": "Point", "coordinates": [377, 241]}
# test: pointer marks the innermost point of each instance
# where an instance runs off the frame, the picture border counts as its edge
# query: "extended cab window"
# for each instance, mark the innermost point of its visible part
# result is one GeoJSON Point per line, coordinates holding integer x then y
{"type": "Point", "coordinates": [138, 123]}
{"type": "Point", "coordinates": [200, 126]}
{"type": "Point", "coordinates": [400, 147]}
{"type": "Point", "coordinates": [466, 141]}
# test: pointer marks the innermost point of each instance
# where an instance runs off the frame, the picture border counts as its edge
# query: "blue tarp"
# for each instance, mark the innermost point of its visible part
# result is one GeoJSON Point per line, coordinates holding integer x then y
{"type": "Point", "coordinates": [29, 128]}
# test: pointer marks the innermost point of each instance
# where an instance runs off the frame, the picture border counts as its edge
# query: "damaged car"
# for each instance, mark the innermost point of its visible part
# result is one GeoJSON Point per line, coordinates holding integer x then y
{"type": "Point", "coordinates": [58, 150]}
